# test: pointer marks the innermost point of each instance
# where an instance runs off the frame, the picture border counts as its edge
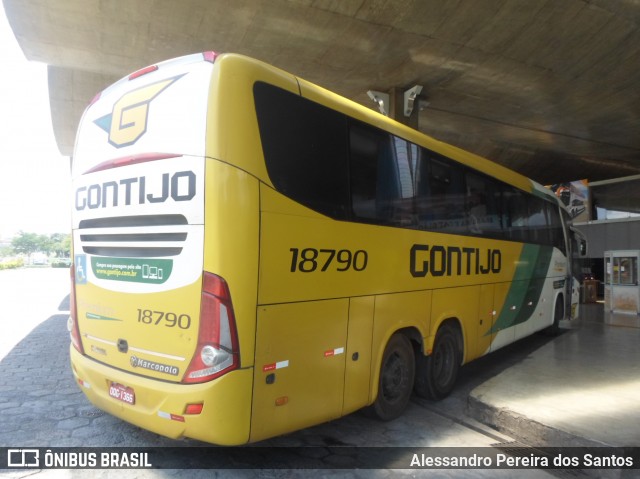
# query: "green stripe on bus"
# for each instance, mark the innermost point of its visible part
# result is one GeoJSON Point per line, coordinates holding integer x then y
{"type": "Point", "coordinates": [528, 281]}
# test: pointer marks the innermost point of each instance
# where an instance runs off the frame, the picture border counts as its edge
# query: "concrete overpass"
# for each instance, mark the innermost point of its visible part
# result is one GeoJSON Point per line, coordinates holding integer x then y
{"type": "Point", "coordinates": [549, 88]}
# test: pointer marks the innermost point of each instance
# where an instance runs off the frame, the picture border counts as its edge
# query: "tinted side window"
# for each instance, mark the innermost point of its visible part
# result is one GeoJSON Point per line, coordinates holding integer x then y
{"type": "Point", "coordinates": [366, 151]}
{"type": "Point", "coordinates": [352, 171]}
{"type": "Point", "coordinates": [383, 176]}
{"type": "Point", "coordinates": [538, 221]}
{"type": "Point", "coordinates": [533, 220]}
{"type": "Point", "coordinates": [441, 199]}
{"type": "Point", "coordinates": [305, 149]}
{"type": "Point", "coordinates": [517, 215]}
{"type": "Point", "coordinates": [556, 230]}
{"type": "Point", "coordinates": [483, 205]}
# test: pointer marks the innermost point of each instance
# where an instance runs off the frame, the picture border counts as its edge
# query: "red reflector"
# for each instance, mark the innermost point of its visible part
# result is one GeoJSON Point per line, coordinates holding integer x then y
{"type": "Point", "coordinates": [210, 56]}
{"type": "Point", "coordinates": [175, 417]}
{"type": "Point", "coordinates": [143, 71]}
{"type": "Point", "coordinates": [194, 408]}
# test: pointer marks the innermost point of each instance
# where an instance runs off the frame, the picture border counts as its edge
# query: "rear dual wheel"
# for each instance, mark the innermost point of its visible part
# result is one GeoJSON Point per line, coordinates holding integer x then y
{"type": "Point", "coordinates": [396, 378]}
{"type": "Point", "coordinates": [436, 374]}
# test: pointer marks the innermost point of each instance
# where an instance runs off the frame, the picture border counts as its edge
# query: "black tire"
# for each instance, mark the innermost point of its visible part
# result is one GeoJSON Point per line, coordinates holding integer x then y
{"type": "Point", "coordinates": [558, 314]}
{"type": "Point", "coordinates": [397, 373]}
{"type": "Point", "coordinates": [436, 374]}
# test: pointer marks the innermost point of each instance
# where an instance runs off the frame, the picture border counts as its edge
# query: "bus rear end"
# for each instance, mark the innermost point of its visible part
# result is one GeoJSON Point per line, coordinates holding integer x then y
{"type": "Point", "coordinates": [153, 326]}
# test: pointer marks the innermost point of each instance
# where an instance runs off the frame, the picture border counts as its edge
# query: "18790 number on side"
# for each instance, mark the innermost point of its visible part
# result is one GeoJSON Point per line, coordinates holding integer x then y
{"type": "Point", "coordinates": [308, 260]}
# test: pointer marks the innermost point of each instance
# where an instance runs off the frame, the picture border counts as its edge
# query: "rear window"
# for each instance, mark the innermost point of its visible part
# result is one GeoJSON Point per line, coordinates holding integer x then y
{"type": "Point", "coordinates": [305, 147]}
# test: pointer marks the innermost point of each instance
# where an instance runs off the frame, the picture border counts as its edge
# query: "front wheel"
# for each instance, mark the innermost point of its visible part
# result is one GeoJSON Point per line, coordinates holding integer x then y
{"type": "Point", "coordinates": [437, 373]}
{"type": "Point", "coordinates": [396, 379]}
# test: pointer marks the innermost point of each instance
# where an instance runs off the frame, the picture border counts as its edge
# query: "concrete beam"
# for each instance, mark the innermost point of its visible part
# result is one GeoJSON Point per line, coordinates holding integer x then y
{"type": "Point", "coordinates": [548, 88]}
{"type": "Point", "coordinates": [73, 91]}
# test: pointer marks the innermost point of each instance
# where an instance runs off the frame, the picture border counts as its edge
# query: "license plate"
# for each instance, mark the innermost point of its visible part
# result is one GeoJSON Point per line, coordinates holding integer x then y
{"type": "Point", "coordinates": [122, 393]}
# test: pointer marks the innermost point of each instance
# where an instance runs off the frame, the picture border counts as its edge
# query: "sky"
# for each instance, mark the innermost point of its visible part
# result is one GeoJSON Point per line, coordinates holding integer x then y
{"type": "Point", "coordinates": [35, 181]}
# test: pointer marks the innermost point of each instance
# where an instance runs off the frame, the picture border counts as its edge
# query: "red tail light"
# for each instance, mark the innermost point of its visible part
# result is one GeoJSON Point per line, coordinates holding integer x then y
{"type": "Point", "coordinates": [72, 325]}
{"type": "Point", "coordinates": [209, 56]}
{"type": "Point", "coordinates": [217, 351]}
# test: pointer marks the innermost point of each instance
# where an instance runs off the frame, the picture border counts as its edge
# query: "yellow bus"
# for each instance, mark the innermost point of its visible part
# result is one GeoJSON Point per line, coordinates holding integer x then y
{"type": "Point", "coordinates": [254, 254]}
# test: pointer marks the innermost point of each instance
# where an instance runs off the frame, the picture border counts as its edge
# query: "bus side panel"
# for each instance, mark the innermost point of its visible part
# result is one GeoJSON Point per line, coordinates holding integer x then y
{"type": "Point", "coordinates": [476, 310]}
{"type": "Point", "coordinates": [525, 304]}
{"type": "Point", "coordinates": [547, 281]}
{"type": "Point", "coordinates": [318, 258]}
{"type": "Point", "coordinates": [300, 366]}
{"type": "Point", "coordinates": [539, 309]}
{"type": "Point", "coordinates": [504, 313]}
{"type": "Point", "coordinates": [231, 247]}
{"type": "Point", "coordinates": [485, 322]}
{"type": "Point", "coordinates": [357, 380]}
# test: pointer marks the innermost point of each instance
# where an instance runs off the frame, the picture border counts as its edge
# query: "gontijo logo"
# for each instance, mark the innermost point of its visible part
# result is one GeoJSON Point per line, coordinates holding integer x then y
{"type": "Point", "coordinates": [127, 122]}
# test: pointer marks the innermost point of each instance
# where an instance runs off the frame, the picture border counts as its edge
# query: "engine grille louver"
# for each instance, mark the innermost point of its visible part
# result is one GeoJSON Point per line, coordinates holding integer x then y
{"type": "Point", "coordinates": [134, 236]}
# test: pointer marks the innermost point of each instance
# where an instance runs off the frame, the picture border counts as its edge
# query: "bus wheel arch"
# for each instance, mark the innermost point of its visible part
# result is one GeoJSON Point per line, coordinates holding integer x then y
{"type": "Point", "coordinates": [436, 374]}
{"type": "Point", "coordinates": [558, 314]}
{"type": "Point", "coordinates": [396, 375]}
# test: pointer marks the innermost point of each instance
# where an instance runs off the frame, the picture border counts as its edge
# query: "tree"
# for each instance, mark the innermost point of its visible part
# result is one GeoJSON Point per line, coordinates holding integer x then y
{"type": "Point", "coordinates": [61, 244]}
{"type": "Point", "coordinates": [26, 243]}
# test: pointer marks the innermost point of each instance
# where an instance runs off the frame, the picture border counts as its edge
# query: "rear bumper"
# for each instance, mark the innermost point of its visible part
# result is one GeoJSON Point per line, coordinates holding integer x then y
{"type": "Point", "coordinates": [160, 406]}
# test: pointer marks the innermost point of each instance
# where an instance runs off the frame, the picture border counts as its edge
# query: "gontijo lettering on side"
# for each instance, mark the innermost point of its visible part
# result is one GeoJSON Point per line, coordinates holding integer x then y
{"type": "Point", "coordinates": [439, 260]}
